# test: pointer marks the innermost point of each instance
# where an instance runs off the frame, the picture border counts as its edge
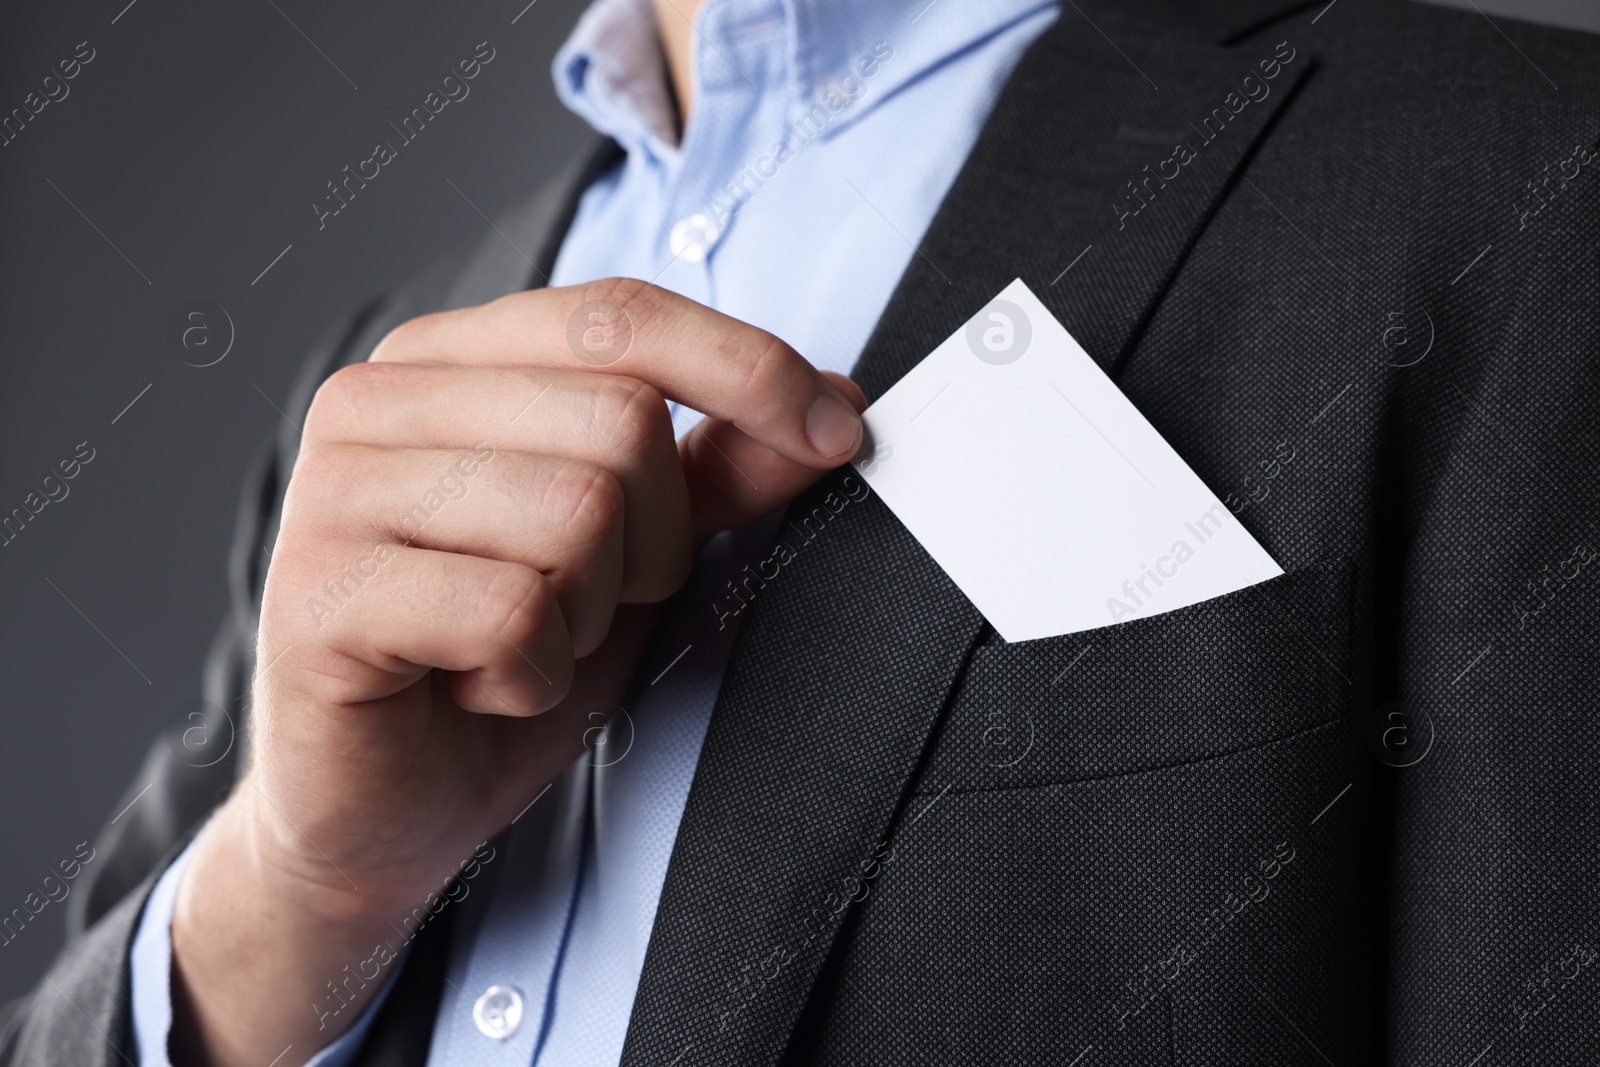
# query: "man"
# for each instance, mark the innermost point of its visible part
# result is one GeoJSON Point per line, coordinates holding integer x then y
{"type": "Point", "coordinates": [1344, 261]}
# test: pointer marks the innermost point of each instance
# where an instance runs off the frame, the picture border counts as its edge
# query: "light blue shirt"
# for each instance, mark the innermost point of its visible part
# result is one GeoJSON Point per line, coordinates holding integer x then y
{"type": "Point", "coordinates": [824, 135]}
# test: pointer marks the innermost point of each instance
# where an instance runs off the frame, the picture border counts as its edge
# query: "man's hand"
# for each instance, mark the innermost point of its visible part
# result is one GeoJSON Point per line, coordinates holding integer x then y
{"type": "Point", "coordinates": [477, 526]}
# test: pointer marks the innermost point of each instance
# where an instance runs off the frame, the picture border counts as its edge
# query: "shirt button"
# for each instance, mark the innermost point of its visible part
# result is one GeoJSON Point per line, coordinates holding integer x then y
{"type": "Point", "coordinates": [498, 1012]}
{"type": "Point", "coordinates": [691, 238]}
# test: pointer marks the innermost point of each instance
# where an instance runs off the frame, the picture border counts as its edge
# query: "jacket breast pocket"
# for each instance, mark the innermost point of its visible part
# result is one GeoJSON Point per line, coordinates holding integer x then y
{"type": "Point", "coordinates": [1118, 833]}
{"type": "Point", "coordinates": [1239, 671]}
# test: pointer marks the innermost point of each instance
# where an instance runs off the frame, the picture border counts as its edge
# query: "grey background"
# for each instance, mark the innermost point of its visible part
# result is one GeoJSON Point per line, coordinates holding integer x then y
{"type": "Point", "coordinates": [195, 142]}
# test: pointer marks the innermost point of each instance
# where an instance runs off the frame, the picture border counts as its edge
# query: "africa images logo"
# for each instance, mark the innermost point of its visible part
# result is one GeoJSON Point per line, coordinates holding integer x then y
{"type": "Point", "coordinates": [1000, 333]}
{"type": "Point", "coordinates": [200, 332]}
{"type": "Point", "coordinates": [599, 333]}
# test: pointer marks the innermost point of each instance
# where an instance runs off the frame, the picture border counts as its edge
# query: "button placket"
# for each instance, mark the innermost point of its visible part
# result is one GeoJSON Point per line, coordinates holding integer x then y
{"type": "Point", "coordinates": [741, 57]}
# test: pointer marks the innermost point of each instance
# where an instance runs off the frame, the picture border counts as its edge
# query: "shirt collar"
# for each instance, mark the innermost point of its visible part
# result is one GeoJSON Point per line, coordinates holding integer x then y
{"type": "Point", "coordinates": [835, 41]}
{"type": "Point", "coordinates": [611, 71]}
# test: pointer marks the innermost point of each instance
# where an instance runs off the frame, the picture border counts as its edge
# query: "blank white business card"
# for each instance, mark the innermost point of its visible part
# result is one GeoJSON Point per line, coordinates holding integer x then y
{"type": "Point", "coordinates": [1040, 489]}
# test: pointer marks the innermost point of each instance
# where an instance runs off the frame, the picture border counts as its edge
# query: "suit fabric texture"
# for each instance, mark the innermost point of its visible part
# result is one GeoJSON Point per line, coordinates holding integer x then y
{"type": "Point", "coordinates": [1169, 841]}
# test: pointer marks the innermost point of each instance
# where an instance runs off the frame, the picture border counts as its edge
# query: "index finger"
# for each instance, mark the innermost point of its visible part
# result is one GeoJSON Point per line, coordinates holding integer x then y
{"type": "Point", "coordinates": [700, 357]}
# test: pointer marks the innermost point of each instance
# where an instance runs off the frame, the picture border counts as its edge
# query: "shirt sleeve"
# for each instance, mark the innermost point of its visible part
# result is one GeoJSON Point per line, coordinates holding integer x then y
{"type": "Point", "coordinates": [150, 963]}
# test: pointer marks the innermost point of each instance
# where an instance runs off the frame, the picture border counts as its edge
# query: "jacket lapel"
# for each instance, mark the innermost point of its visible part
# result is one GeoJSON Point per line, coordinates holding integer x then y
{"type": "Point", "coordinates": [845, 661]}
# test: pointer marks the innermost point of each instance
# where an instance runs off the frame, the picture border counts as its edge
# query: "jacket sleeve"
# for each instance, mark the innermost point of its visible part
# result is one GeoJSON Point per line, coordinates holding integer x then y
{"type": "Point", "coordinates": [1497, 828]}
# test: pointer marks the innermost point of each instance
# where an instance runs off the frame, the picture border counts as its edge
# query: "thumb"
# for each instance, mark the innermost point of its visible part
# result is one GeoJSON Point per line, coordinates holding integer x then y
{"type": "Point", "coordinates": [733, 479]}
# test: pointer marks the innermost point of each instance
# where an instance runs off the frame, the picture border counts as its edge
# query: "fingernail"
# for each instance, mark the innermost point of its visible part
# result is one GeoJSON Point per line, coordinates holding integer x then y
{"type": "Point", "coordinates": [832, 426]}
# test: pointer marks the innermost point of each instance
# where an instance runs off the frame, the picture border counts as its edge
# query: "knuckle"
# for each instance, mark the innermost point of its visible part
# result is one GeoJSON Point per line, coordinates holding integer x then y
{"type": "Point", "coordinates": [339, 399]}
{"type": "Point", "coordinates": [630, 294]}
{"type": "Point", "coordinates": [632, 417]}
{"type": "Point", "coordinates": [587, 501]}
{"type": "Point", "coordinates": [294, 573]}
{"type": "Point", "coordinates": [765, 360]}
{"type": "Point", "coordinates": [649, 311]}
{"type": "Point", "coordinates": [514, 603]}
{"type": "Point", "coordinates": [316, 489]}
{"type": "Point", "coordinates": [308, 583]}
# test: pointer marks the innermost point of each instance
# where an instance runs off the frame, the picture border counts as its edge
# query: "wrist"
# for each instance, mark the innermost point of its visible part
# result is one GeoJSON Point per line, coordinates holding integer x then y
{"type": "Point", "coordinates": [261, 956]}
{"type": "Point", "coordinates": [286, 867]}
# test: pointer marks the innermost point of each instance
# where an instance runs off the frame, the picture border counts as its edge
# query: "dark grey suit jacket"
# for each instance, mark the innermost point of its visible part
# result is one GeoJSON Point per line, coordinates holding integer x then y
{"type": "Point", "coordinates": [1172, 840]}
